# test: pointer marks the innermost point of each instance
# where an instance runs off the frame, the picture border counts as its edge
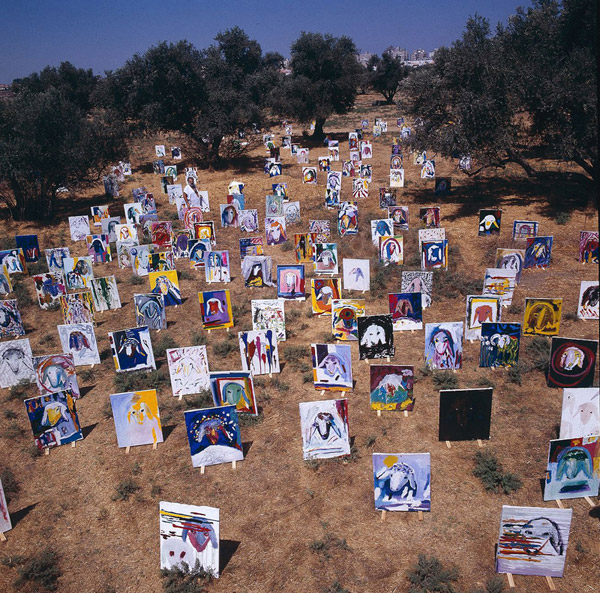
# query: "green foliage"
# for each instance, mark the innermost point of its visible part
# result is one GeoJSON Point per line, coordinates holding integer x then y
{"type": "Point", "coordinates": [307, 377]}
{"type": "Point", "coordinates": [430, 576]}
{"type": "Point", "coordinates": [279, 385]}
{"type": "Point", "coordinates": [453, 283]}
{"type": "Point", "coordinates": [514, 374]}
{"type": "Point", "coordinates": [20, 390]}
{"type": "Point", "coordinates": [444, 379]}
{"type": "Point", "coordinates": [199, 338]}
{"type": "Point", "coordinates": [250, 420]}
{"type": "Point", "coordinates": [21, 292]}
{"type": "Point", "coordinates": [336, 587]}
{"type": "Point", "coordinates": [183, 579]}
{"type": "Point", "coordinates": [162, 344]}
{"type": "Point", "coordinates": [385, 75]}
{"type": "Point", "coordinates": [287, 246]}
{"type": "Point", "coordinates": [204, 399]}
{"type": "Point", "coordinates": [489, 470]}
{"type": "Point", "coordinates": [41, 570]}
{"type": "Point", "coordinates": [485, 382]}
{"type": "Point", "coordinates": [224, 347]}
{"type": "Point", "coordinates": [136, 280]}
{"type": "Point", "coordinates": [125, 488]}
{"type": "Point", "coordinates": [86, 375]}
{"type": "Point", "coordinates": [139, 380]}
{"type": "Point", "coordinates": [538, 352]}
{"type": "Point", "coordinates": [329, 543]}
{"type": "Point", "coordinates": [563, 218]}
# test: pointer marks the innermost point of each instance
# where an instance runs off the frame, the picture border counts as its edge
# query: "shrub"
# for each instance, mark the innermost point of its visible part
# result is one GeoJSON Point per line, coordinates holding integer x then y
{"type": "Point", "coordinates": [279, 385]}
{"type": "Point", "coordinates": [48, 339]}
{"type": "Point", "coordinates": [515, 309]}
{"type": "Point", "coordinates": [563, 218]}
{"type": "Point", "coordinates": [198, 338]}
{"type": "Point", "coordinates": [86, 375]}
{"type": "Point", "coordinates": [445, 380]}
{"type": "Point", "coordinates": [430, 576]}
{"type": "Point", "coordinates": [451, 284]}
{"type": "Point", "coordinates": [514, 374]}
{"type": "Point", "coordinates": [136, 280]}
{"type": "Point", "coordinates": [184, 275]}
{"type": "Point", "coordinates": [485, 382]}
{"type": "Point", "coordinates": [324, 546]}
{"type": "Point", "coordinates": [9, 484]}
{"type": "Point", "coordinates": [21, 293]}
{"type": "Point", "coordinates": [125, 488]}
{"type": "Point", "coordinates": [336, 587]}
{"type": "Point", "coordinates": [204, 399]}
{"type": "Point", "coordinates": [183, 579]}
{"type": "Point", "coordinates": [570, 316]}
{"type": "Point", "coordinates": [250, 419]}
{"type": "Point", "coordinates": [287, 246]}
{"type": "Point", "coordinates": [42, 570]}
{"type": "Point", "coordinates": [224, 348]}
{"type": "Point", "coordinates": [489, 470]}
{"type": "Point", "coordinates": [538, 351]}
{"type": "Point", "coordinates": [19, 391]}
{"type": "Point", "coordinates": [307, 377]}
{"type": "Point", "coordinates": [161, 345]}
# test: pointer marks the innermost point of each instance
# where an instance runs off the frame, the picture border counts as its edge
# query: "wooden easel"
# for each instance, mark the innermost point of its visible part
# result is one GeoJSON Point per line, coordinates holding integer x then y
{"type": "Point", "coordinates": [2, 537]}
{"type": "Point", "coordinates": [511, 581]}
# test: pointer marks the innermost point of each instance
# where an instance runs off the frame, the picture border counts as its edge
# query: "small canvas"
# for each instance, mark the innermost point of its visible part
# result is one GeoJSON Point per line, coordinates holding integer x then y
{"type": "Point", "coordinates": [77, 307]}
{"type": "Point", "coordinates": [524, 229]}
{"type": "Point", "coordinates": [192, 215]}
{"type": "Point", "coordinates": [140, 259]}
{"type": "Point", "coordinates": [499, 345]}
{"type": "Point", "coordinates": [124, 249]}
{"type": "Point", "coordinates": [161, 261]}
{"type": "Point", "coordinates": [132, 349]}
{"type": "Point", "coordinates": [344, 318]}
{"type": "Point", "coordinates": [78, 272]}
{"type": "Point", "coordinates": [511, 259]}
{"type": "Point", "coordinates": [229, 216]}
{"type": "Point", "coordinates": [334, 180]}
{"type": "Point", "coordinates": [291, 212]}
{"type": "Point", "coordinates": [533, 541]}
{"type": "Point", "coordinates": [269, 314]}
{"type": "Point", "coordinates": [257, 269]}
{"type": "Point", "coordinates": [382, 227]}
{"type": "Point", "coordinates": [434, 255]}
{"type": "Point", "coordinates": [406, 310]}
{"type": "Point", "coordinates": [215, 309]}
{"type": "Point", "coordinates": [324, 426]}
{"type": "Point", "coordinates": [332, 366]}
{"type": "Point", "coordinates": [273, 205]}
{"type": "Point", "coordinates": [99, 213]}
{"type": "Point", "coordinates": [10, 319]}
{"type": "Point", "coordinates": [303, 248]}
{"type": "Point", "coordinates": [500, 282]}
{"type": "Point", "coordinates": [573, 468]}
{"type": "Point", "coordinates": [248, 221]}
{"type": "Point", "coordinates": [443, 345]}
{"type": "Point", "coordinates": [150, 311]}
{"type": "Point", "coordinates": [402, 481]}
{"type": "Point", "coordinates": [167, 284]}
{"type": "Point", "coordinates": [589, 247]}
{"type": "Point", "coordinates": [588, 300]}
{"type": "Point", "coordinates": [481, 309]}
{"type": "Point", "coordinates": [437, 234]}
{"type": "Point", "coordinates": [14, 260]}
{"type": "Point", "coordinates": [397, 175]}
{"type": "Point", "coordinates": [429, 217]}
{"type": "Point", "coordinates": [428, 169]}
{"type": "Point", "coordinates": [275, 230]}
{"type": "Point", "coordinates": [442, 186]}
{"type": "Point", "coordinates": [105, 294]}
{"type": "Point", "coordinates": [290, 282]}
{"type": "Point", "coordinates": [357, 274]}
{"type": "Point", "coordinates": [375, 337]}
{"type": "Point", "coordinates": [348, 219]}
{"type": "Point", "coordinates": [137, 418]}
{"type": "Point", "coordinates": [188, 369]}
{"type": "Point", "coordinates": [196, 250]}
{"type": "Point", "coordinates": [189, 537]}
{"type": "Point", "coordinates": [109, 227]}
{"type": "Point", "coordinates": [391, 387]}
{"type": "Point", "coordinates": [360, 188]}
{"type": "Point", "coordinates": [79, 340]}
{"type": "Point", "coordinates": [542, 317]}
{"type": "Point", "coordinates": [326, 258]}
{"type": "Point", "coordinates": [320, 230]}
{"type": "Point", "coordinates": [79, 227]}
{"type": "Point", "coordinates": [465, 414]}
{"type": "Point", "coordinates": [5, 283]}
{"type": "Point", "coordinates": [213, 435]}
{"type": "Point", "coordinates": [399, 217]}
{"type": "Point", "coordinates": [259, 351]}
{"type": "Point", "coordinates": [234, 388]}
{"type": "Point", "coordinates": [56, 372]}
{"type": "Point", "coordinates": [572, 362]}
{"type": "Point", "coordinates": [161, 233]}
{"type": "Point", "coordinates": [98, 247]}
{"type": "Point", "coordinates": [53, 419]}
{"type": "Point", "coordinates": [30, 246]}
{"type": "Point", "coordinates": [309, 174]}
{"type": "Point", "coordinates": [49, 288]}
{"type": "Point", "coordinates": [580, 412]}
{"type": "Point", "coordinates": [216, 266]}
{"type": "Point", "coordinates": [387, 197]}
{"type": "Point", "coordinates": [418, 281]}
{"type": "Point", "coordinates": [16, 363]}
{"type": "Point", "coordinates": [489, 222]}
{"type": "Point", "coordinates": [126, 232]}
{"type": "Point", "coordinates": [391, 250]}
{"type": "Point", "coordinates": [538, 252]}
{"type": "Point", "coordinates": [5, 523]}
{"type": "Point", "coordinates": [323, 292]}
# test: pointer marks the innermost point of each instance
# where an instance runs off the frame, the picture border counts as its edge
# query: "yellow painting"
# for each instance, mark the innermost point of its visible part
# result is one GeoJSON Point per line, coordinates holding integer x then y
{"type": "Point", "coordinates": [542, 317]}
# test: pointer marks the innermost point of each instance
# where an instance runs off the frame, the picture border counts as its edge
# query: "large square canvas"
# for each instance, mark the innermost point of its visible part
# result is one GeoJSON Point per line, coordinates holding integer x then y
{"type": "Point", "coordinates": [434, 255]}
{"type": "Point", "coordinates": [215, 309]}
{"type": "Point", "coordinates": [542, 317]}
{"type": "Point", "coordinates": [30, 246]}
{"type": "Point", "coordinates": [399, 217]}
{"type": "Point", "coordinates": [213, 435]}
{"type": "Point", "coordinates": [234, 388]}
{"type": "Point", "coordinates": [49, 288]}
{"type": "Point", "coordinates": [79, 339]}
{"type": "Point", "coordinates": [538, 252]}
{"type": "Point", "coordinates": [77, 307]}
{"type": "Point", "coordinates": [587, 307]}
{"type": "Point", "coordinates": [402, 481]}
{"type": "Point", "coordinates": [357, 274]}
{"type": "Point", "coordinates": [55, 372]}
{"type": "Point", "coordinates": [150, 311]}
{"type": "Point", "coordinates": [79, 227]}
{"type": "Point", "coordinates": [132, 349]}
{"type": "Point", "coordinates": [14, 260]}
{"type": "Point", "coordinates": [391, 387]}
{"type": "Point", "coordinates": [418, 281]}
{"type": "Point", "coordinates": [275, 230]}
{"type": "Point", "coordinates": [481, 309]}
{"type": "Point", "coordinates": [105, 294]}
{"type": "Point", "coordinates": [580, 416]}
{"type": "Point", "coordinates": [54, 259]}
{"type": "Point", "coordinates": [269, 314]}
{"type": "Point", "coordinates": [188, 369]}
{"type": "Point", "coordinates": [391, 250]}
{"type": "Point", "coordinates": [78, 272]}
{"type": "Point", "coordinates": [375, 337]}
{"type": "Point", "coordinates": [324, 426]}
{"type": "Point", "coordinates": [321, 230]}
{"type": "Point", "coordinates": [572, 362]}
{"type": "Point", "coordinates": [444, 345]}
{"type": "Point", "coordinates": [98, 247]}
{"type": "Point", "coordinates": [323, 292]}
{"type": "Point", "coordinates": [406, 309]}
{"type": "Point", "coordinates": [332, 366]}
{"type": "Point", "coordinates": [489, 222]}
{"type": "Point", "coordinates": [465, 414]}
{"type": "Point", "coordinates": [16, 363]}
{"type": "Point", "coordinates": [137, 418]}
{"type": "Point", "coordinates": [11, 324]}
{"type": "Point", "coordinates": [259, 351]}
{"type": "Point", "coordinates": [589, 247]}
{"type": "Point", "coordinates": [429, 217]}
{"type": "Point", "coordinates": [290, 282]}
{"type": "Point", "coordinates": [166, 284]}
{"type": "Point", "coordinates": [344, 318]}
{"type": "Point", "coordinates": [499, 345]}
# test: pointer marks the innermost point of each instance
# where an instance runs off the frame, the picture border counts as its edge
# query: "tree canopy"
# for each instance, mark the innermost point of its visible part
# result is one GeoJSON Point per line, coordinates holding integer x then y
{"type": "Point", "coordinates": [385, 75]}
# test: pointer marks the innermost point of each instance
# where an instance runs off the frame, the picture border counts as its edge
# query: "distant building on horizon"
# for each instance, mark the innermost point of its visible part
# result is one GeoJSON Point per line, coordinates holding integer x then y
{"type": "Point", "coordinates": [418, 54]}
{"type": "Point", "coordinates": [397, 52]}
{"type": "Point", "coordinates": [5, 91]}
{"type": "Point", "coordinates": [364, 57]}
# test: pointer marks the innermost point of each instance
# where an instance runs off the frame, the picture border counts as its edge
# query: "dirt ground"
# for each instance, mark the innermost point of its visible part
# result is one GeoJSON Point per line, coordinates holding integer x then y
{"type": "Point", "coordinates": [275, 508]}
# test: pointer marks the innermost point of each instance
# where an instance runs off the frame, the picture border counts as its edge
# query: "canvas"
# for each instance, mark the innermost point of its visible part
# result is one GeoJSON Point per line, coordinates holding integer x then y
{"type": "Point", "coordinates": [235, 388]}
{"type": "Point", "coordinates": [580, 416]}
{"type": "Point", "coordinates": [275, 230]}
{"type": "Point", "coordinates": [256, 270]}
{"type": "Point", "coordinates": [5, 283]}
{"type": "Point", "coordinates": [5, 523]}
{"type": "Point", "coordinates": [216, 266]}
{"type": "Point", "coordinates": [391, 250]}
{"type": "Point", "coordinates": [324, 426]}
{"type": "Point", "coordinates": [132, 349]}
{"type": "Point", "coordinates": [397, 176]}
{"type": "Point", "coordinates": [161, 231]}
{"type": "Point", "coordinates": [326, 258]}
{"type": "Point", "coordinates": [197, 248]}
{"type": "Point", "coordinates": [434, 255]}
{"type": "Point", "coordinates": [323, 292]}
{"type": "Point", "coordinates": [49, 288]}
{"type": "Point", "coordinates": [442, 186]}
{"type": "Point", "coordinates": [180, 243]}
{"type": "Point", "coordinates": [489, 222]}
{"type": "Point", "coordinates": [53, 419]}
{"type": "Point", "coordinates": [357, 274]}
{"type": "Point", "coordinates": [189, 537]}
{"type": "Point", "coordinates": [150, 311]}
{"type": "Point", "coordinates": [572, 362]}
{"type": "Point", "coordinates": [78, 272]}
{"type": "Point", "coordinates": [291, 213]}
{"type": "Point", "coordinates": [259, 352]}
{"type": "Point", "coordinates": [324, 163]}
{"type": "Point", "coordinates": [105, 294]}
{"type": "Point", "coordinates": [55, 372]}
{"type": "Point", "coordinates": [375, 337]}
{"type": "Point", "coordinates": [418, 281]}
{"type": "Point", "coordinates": [481, 309]}
{"type": "Point", "coordinates": [215, 309]}
{"type": "Point", "coordinates": [98, 247]}
{"type": "Point", "coordinates": [511, 259]}
{"type": "Point", "coordinates": [273, 205]}
{"type": "Point", "coordinates": [137, 418]}
{"type": "Point", "coordinates": [77, 307]}
{"type": "Point", "coordinates": [348, 219]}
{"type": "Point", "coordinates": [290, 282]}
{"type": "Point", "coordinates": [124, 253]}
{"type": "Point", "coordinates": [79, 227]}
{"type": "Point", "coordinates": [188, 369]}
{"type": "Point", "coordinates": [161, 261]}
{"type": "Point", "coordinates": [500, 282]}
{"type": "Point", "coordinates": [303, 248]}
{"type": "Point", "coordinates": [366, 172]}
{"type": "Point", "coordinates": [140, 259]}
{"type": "Point", "coordinates": [167, 284]}
{"type": "Point", "coordinates": [309, 174]}
{"type": "Point", "coordinates": [79, 340]}
{"type": "Point", "coordinates": [573, 468]}
{"type": "Point", "coordinates": [269, 314]}
{"type": "Point", "coordinates": [248, 221]}
{"type": "Point", "coordinates": [334, 180]}
{"type": "Point", "coordinates": [443, 345]}
{"type": "Point", "coordinates": [16, 363]}
{"type": "Point", "coordinates": [320, 230]}
{"type": "Point", "coordinates": [391, 387]}
{"type": "Point", "coordinates": [213, 435]}
{"type": "Point", "coordinates": [192, 215]}
{"type": "Point", "coordinates": [109, 227]}
{"type": "Point", "coordinates": [499, 346]}
{"type": "Point", "coordinates": [402, 481]}
{"type": "Point", "coordinates": [360, 188]}
{"type": "Point", "coordinates": [465, 414]}
{"type": "Point", "coordinates": [588, 300]}
{"type": "Point", "coordinates": [10, 319]}
{"type": "Point", "coordinates": [99, 213]}
{"type": "Point", "coordinates": [332, 367]}
{"type": "Point", "coordinates": [251, 246]}
{"type": "Point", "coordinates": [429, 217]}
{"type": "Point", "coordinates": [533, 540]}
{"type": "Point", "coordinates": [14, 260]}
{"type": "Point", "coordinates": [229, 216]}
{"type": "Point", "coordinates": [538, 252]}
{"type": "Point", "coordinates": [406, 309]}
{"type": "Point", "coordinates": [524, 229]}
{"type": "Point", "coordinates": [387, 197]}
{"type": "Point", "coordinates": [382, 227]}
{"type": "Point", "coordinates": [399, 217]}
{"type": "Point", "coordinates": [589, 247]}
{"type": "Point", "coordinates": [30, 246]}
{"type": "Point", "coordinates": [437, 234]}
{"type": "Point", "coordinates": [344, 318]}
{"type": "Point", "coordinates": [542, 317]}
{"type": "Point", "coordinates": [428, 169]}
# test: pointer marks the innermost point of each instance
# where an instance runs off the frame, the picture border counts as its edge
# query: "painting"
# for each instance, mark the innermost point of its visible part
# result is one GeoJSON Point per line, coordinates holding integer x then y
{"type": "Point", "coordinates": [360, 188]}
{"type": "Point", "coordinates": [56, 372]}
{"type": "Point", "coordinates": [396, 176]}
{"type": "Point", "coordinates": [375, 337]}
{"type": "Point", "coordinates": [98, 247]}
{"type": "Point", "coordinates": [109, 227]}
{"type": "Point", "coordinates": [192, 216]}
{"type": "Point", "coordinates": [418, 281]}
{"type": "Point", "coordinates": [589, 247]}
{"type": "Point", "coordinates": [538, 252]}
{"type": "Point", "coordinates": [402, 481]}
{"type": "Point", "coordinates": [434, 255]}
{"type": "Point", "coordinates": [216, 266]}
{"type": "Point", "coordinates": [79, 340]}
{"type": "Point", "coordinates": [511, 259]}
{"type": "Point", "coordinates": [326, 258]}
{"type": "Point", "coordinates": [387, 197]}
{"type": "Point", "coordinates": [489, 222]}
{"type": "Point", "coordinates": [348, 219]}
{"type": "Point", "coordinates": [357, 274]}
{"type": "Point", "coordinates": [105, 294]}
{"type": "Point", "coordinates": [229, 216]}
{"type": "Point", "coordinates": [399, 217]}
{"type": "Point", "coordinates": [269, 314]}
{"type": "Point", "coordinates": [542, 317]}
{"type": "Point", "coordinates": [234, 388]}
{"type": "Point", "coordinates": [53, 419]}
{"type": "Point", "coordinates": [16, 363]}
{"type": "Point", "coordinates": [196, 250]}
{"type": "Point", "coordinates": [429, 217]}
{"type": "Point", "coordinates": [344, 318]}
{"type": "Point", "coordinates": [500, 282]}
{"type": "Point", "coordinates": [580, 416]}
{"type": "Point", "coordinates": [205, 230]}
{"type": "Point", "coordinates": [150, 311]}
{"type": "Point", "coordinates": [382, 227]}
{"type": "Point", "coordinates": [572, 362]}
{"type": "Point", "coordinates": [324, 426]}
{"type": "Point", "coordinates": [428, 169]}
{"type": "Point", "coordinates": [166, 284]}
{"type": "Point", "coordinates": [273, 205]}
{"type": "Point", "coordinates": [189, 537]}
{"type": "Point", "coordinates": [303, 248]}
{"type": "Point", "coordinates": [588, 300]}
{"type": "Point", "coordinates": [10, 319]}
{"type": "Point", "coordinates": [79, 227]}
{"type": "Point", "coordinates": [443, 345]}
{"type": "Point", "coordinates": [323, 292]}
{"type": "Point", "coordinates": [290, 282]}
{"type": "Point", "coordinates": [533, 541]}
{"type": "Point", "coordinates": [256, 270]}
{"type": "Point", "coordinates": [49, 288]}
{"type": "Point", "coordinates": [161, 261]}
{"type": "Point", "coordinates": [291, 212]}
{"type": "Point", "coordinates": [479, 310]}
{"type": "Point", "coordinates": [524, 229]}
{"type": "Point", "coordinates": [30, 246]}
{"type": "Point", "coordinates": [391, 387]}
{"type": "Point", "coordinates": [251, 246]}
{"type": "Point", "coordinates": [332, 366]}
{"type": "Point", "coordinates": [14, 260]}
{"type": "Point", "coordinates": [499, 344]}
{"type": "Point", "coordinates": [259, 351]}
{"type": "Point", "coordinates": [77, 307]}
{"type": "Point", "coordinates": [320, 231]}
{"type": "Point", "coordinates": [188, 369]}
{"type": "Point", "coordinates": [334, 180]}
{"type": "Point", "coordinates": [443, 186]}
{"type": "Point", "coordinates": [137, 418]}
{"type": "Point", "coordinates": [275, 230]}
{"type": "Point", "coordinates": [78, 272]}
{"type": "Point", "coordinates": [132, 349]}
{"type": "Point", "coordinates": [213, 435]}
{"type": "Point", "coordinates": [406, 309]}
{"type": "Point", "coordinates": [391, 250]}
{"type": "Point", "coordinates": [438, 234]}
{"type": "Point", "coordinates": [5, 284]}
{"type": "Point", "coordinates": [309, 174]}
{"type": "Point", "coordinates": [180, 243]}
{"type": "Point", "coordinates": [5, 523]}
{"type": "Point", "coordinates": [215, 309]}
{"type": "Point", "coordinates": [465, 414]}
{"type": "Point", "coordinates": [98, 213]}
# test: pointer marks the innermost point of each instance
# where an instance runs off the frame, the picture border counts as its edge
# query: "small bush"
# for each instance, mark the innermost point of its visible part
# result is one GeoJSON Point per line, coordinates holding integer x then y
{"type": "Point", "coordinates": [184, 275]}
{"type": "Point", "coordinates": [336, 587]}
{"type": "Point", "coordinates": [139, 380]}
{"type": "Point", "coordinates": [370, 440]}
{"type": "Point", "coordinates": [485, 382]}
{"type": "Point", "coordinates": [19, 391]}
{"type": "Point", "coordinates": [224, 348]}
{"type": "Point", "coordinates": [444, 380]}
{"type": "Point", "coordinates": [183, 579]}
{"type": "Point", "coordinates": [155, 491]}
{"type": "Point", "coordinates": [515, 309]}
{"type": "Point", "coordinates": [198, 338]}
{"type": "Point", "coordinates": [324, 546]}
{"type": "Point", "coordinates": [279, 385]}
{"type": "Point", "coordinates": [22, 293]}
{"type": "Point", "coordinates": [292, 314]}
{"type": "Point", "coordinates": [41, 570]}
{"type": "Point", "coordinates": [250, 420]}
{"type": "Point", "coordinates": [451, 284]}
{"type": "Point", "coordinates": [514, 374]}
{"type": "Point", "coordinates": [125, 489]}
{"type": "Point", "coordinates": [136, 280]}
{"type": "Point", "coordinates": [10, 414]}
{"type": "Point", "coordinates": [538, 351]}
{"type": "Point", "coordinates": [307, 377]}
{"type": "Point", "coordinates": [48, 339]}
{"type": "Point", "coordinates": [296, 355]}
{"type": "Point", "coordinates": [9, 483]}
{"type": "Point", "coordinates": [163, 343]}
{"type": "Point", "coordinates": [430, 576]}
{"type": "Point", "coordinates": [204, 399]}
{"type": "Point", "coordinates": [489, 470]}
{"type": "Point", "coordinates": [570, 316]}
{"type": "Point", "coordinates": [563, 218]}
{"type": "Point", "coordinates": [86, 375]}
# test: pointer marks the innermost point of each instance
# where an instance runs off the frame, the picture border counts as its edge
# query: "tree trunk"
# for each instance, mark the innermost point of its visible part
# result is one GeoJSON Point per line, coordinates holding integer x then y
{"type": "Point", "coordinates": [515, 158]}
{"type": "Point", "coordinates": [213, 152]}
{"type": "Point", "coordinates": [319, 134]}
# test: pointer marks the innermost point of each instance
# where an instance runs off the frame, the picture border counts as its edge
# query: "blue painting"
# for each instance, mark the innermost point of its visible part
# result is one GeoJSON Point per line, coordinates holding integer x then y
{"type": "Point", "coordinates": [443, 345]}
{"type": "Point", "coordinates": [499, 344]}
{"type": "Point", "coordinates": [538, 252]}
{"type": "Point", "coordinates": [407, 310]}
{"type": "Point", "coordinates": [30, 246]}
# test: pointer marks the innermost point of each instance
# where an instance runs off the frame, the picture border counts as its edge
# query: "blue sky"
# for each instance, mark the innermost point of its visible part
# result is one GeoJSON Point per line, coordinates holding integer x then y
{"type": "Point", "coordinates": [103, 34]}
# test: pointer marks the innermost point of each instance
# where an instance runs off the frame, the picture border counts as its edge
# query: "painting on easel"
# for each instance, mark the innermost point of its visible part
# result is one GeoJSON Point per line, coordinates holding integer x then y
{"type": "Point", "coordinates": [332, 366]}
{"type": "Point", "coordinates": [137, 419]}
{"type": "Point", "coordinates": [324, 427]}
{"type": "Point", "coordinates": [392, 387]}
{"type": "Point", "coordinates": [465, 414]}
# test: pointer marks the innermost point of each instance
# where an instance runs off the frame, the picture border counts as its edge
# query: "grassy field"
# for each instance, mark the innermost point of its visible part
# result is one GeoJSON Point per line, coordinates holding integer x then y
{"type": "Point", "coordinates": [288, 525]}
